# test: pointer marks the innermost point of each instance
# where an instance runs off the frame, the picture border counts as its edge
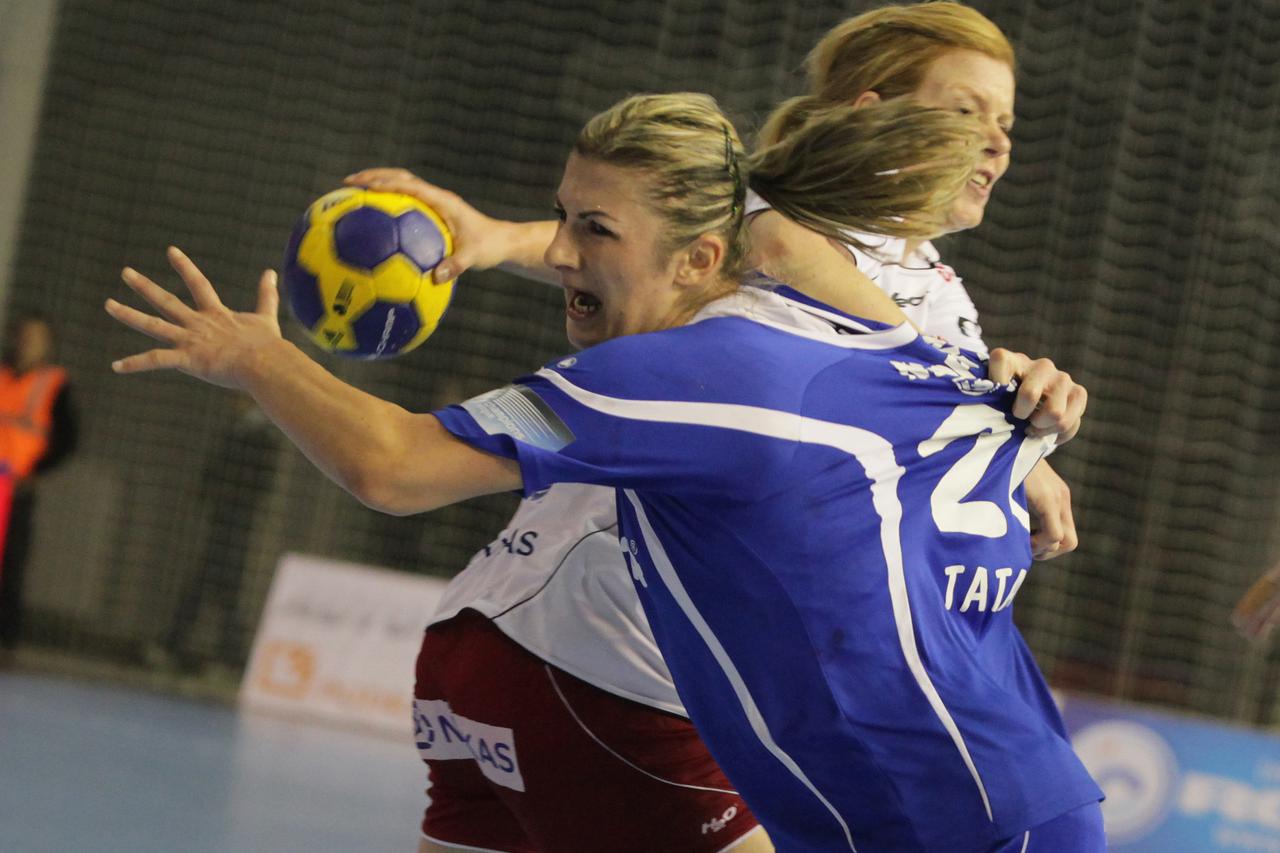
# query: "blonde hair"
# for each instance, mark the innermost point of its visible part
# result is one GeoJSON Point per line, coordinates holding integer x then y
{"type": "Point", "coordinates": [693, 163]}
{"type": "Point", "coordinates": [886, 51]}
{"type": "Point", "coordinates": [892, 168]}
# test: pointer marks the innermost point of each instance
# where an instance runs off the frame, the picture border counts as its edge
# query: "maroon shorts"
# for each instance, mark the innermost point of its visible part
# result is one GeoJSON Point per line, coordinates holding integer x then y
{"type": "Point", "coordinates": [524, 757]}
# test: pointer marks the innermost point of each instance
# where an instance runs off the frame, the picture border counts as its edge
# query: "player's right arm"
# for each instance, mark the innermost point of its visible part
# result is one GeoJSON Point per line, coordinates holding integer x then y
{"type": "Point", "coordinates": [480, 241]}
{"type": "Point", "coordinates": [390, 459]}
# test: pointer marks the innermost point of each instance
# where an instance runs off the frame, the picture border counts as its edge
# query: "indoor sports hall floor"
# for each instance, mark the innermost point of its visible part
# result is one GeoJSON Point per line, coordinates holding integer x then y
{"type": "Point", "coordinates": [91, 767]}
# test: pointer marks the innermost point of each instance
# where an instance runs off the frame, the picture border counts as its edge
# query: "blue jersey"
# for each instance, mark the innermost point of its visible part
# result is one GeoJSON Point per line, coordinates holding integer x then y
{"type": "Point", "coordinates": [826, 526]}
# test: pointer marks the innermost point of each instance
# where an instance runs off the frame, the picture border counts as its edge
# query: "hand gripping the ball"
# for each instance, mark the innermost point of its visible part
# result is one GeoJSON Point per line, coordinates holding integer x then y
{"type": "Point", "coordinates": [480, 241]}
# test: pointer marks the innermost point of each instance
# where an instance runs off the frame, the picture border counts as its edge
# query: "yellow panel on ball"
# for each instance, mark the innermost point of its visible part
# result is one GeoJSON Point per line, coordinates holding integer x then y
{"type": "Point", "coordinates": [347, 295]}
{"type": "Point", "coordinates": [432, 303]}
{"type": "Point", "coordinates": [398, 279]}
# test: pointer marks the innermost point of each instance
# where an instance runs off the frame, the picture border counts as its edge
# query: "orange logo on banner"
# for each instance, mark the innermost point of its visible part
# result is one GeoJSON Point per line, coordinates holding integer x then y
{"type": "Point", "coordinates": [287, 669]}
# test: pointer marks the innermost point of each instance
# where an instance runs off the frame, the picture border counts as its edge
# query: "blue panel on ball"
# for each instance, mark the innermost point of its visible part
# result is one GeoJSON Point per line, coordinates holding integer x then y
{"type": "Point", "coordinates": [420, 240]}
{"type": "Point", "coordinates": [365, 237]}
{"type": "Point", "coordinates": [384, 329]}
{"type": "Point", "coordinates": [295, 239]}
{"type": "Point", "coordinates": [302, 292]}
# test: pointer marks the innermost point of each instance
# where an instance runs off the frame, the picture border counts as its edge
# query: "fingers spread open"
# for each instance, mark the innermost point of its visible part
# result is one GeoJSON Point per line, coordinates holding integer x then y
{"type": "Point", "coordinates": [151, 326]}
{"type": "Point", "coordinates": [169, 305]}
{"type": "Point", "coordinates": [201, 289]}
{"type": "Point", "coordinates": [156, 359]}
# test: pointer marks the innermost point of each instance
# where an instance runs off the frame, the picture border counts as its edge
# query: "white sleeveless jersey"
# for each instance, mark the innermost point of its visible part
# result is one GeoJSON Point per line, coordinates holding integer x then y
{"type": "Point", "coordinates": [554, 580]}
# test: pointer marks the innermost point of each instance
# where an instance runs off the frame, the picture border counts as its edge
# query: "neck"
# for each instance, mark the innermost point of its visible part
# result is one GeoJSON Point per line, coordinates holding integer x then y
{"type": "Point", "coordinates": [682, 314]}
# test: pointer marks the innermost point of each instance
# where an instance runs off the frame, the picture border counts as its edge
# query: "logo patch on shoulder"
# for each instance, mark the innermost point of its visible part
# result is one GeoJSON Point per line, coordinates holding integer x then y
{"type": "Point", "coordinates": [519, 412]}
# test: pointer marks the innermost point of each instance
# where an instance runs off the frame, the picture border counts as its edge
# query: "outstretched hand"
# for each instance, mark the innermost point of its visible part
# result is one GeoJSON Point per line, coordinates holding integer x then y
{"type": "Point", "coordinates": [208, 341]}
{"type": "Point", "coordinates": [479, 241]}
{"type": "Point", "coordinates": [1047, 397]}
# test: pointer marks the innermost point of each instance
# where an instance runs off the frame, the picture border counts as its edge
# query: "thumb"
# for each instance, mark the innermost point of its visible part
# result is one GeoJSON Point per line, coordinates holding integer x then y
{"type": "Point", "coordinates": [1002, 366]}
{"type": "Point", "coordinates": [451, 267]}
{"type": "Point", "coordinates": [268, 294]}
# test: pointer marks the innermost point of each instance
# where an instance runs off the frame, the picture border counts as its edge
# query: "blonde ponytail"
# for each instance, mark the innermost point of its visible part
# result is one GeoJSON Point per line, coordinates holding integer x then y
{"type": "Point", "coordinates": [893, 168]}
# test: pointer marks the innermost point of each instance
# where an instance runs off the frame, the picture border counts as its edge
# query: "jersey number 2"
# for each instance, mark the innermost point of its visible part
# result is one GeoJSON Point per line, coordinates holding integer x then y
{"type": "Point", "coordinates": [951, 512]}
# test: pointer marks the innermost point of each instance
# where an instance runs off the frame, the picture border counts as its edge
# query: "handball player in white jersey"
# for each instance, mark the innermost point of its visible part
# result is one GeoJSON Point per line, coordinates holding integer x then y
{"type": "Point", "coordinates": [774, 460]}
{"type": "Point", "coordinates": [551, 584]}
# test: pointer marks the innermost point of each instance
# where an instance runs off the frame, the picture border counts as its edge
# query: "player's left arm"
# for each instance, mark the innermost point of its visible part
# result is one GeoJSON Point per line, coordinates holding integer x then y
{"type": "Point", "coordinates": [390, 459]}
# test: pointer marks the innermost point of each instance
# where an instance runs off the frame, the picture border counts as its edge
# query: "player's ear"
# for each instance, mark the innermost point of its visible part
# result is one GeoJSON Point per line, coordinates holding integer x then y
{"type": "Point", "coordinates": [701, 260]}
{"type": "Point", "coordinates": [866, 99]}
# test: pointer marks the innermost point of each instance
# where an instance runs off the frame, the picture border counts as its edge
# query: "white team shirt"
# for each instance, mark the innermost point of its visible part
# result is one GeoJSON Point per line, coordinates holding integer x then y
{"type": "Point", "coordinates": [554, 580]}
{"type": "Point", "coordinates": [928, 291]}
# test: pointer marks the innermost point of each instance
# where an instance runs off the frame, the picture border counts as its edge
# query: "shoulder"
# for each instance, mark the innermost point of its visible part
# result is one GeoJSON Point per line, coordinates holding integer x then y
{"type": "Point", "coordinates": [753, 348]}
{"type": "Point", "coordinates": [689, 362]}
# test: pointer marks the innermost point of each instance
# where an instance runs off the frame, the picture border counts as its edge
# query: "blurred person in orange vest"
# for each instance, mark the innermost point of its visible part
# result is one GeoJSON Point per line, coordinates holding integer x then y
{"type": "Point", "coordinates": [37, 431]}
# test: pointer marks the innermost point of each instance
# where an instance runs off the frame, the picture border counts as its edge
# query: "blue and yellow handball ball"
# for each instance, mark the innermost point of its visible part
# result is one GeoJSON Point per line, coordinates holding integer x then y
{"type": "Point", "coordinates": [357, 272]}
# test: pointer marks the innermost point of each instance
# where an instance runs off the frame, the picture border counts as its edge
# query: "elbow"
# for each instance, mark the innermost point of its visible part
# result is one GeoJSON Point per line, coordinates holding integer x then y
{"type": "Point", "coordinates": [382, 474]}
{"type": "Point", "coordinates": [375, 489]}
{"type": "Point", "coordinates": [380, 488]}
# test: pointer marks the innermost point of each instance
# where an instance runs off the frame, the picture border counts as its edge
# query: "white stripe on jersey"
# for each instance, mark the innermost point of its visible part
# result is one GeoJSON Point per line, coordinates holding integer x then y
{"type": "Point", "coordinates": [668, 574]}
{"type": "Point", "coordinates": [779, 312]}
{"type": "Point", "coordinates": [768, 422]}
{"type": "Point", "coordinates": [876, 457]}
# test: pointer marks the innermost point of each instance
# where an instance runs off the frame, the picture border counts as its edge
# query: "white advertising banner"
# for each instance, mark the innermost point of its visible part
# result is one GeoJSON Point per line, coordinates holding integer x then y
{"type": "Point", "coordinates": [337, 642]}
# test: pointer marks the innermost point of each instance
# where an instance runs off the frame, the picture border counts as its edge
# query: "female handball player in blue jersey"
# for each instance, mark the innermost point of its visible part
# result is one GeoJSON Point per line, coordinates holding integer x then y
{"type": "Point", "coordinates": [553, 612]}
{"type": "Point", "coordinates": [822, 515]}
{"type": "Point", "coordinates": [939, 54]}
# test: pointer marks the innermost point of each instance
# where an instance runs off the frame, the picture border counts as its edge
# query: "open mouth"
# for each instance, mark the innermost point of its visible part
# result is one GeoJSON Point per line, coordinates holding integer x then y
{"type": "Point", "coordinates": [580, 305]}
{"type": "Point", "coordinates": [982, 180]}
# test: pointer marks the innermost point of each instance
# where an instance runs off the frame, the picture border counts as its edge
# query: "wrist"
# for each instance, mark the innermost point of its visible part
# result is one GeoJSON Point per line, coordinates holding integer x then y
{"type": "Point", "coordinates": [258, 364]}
